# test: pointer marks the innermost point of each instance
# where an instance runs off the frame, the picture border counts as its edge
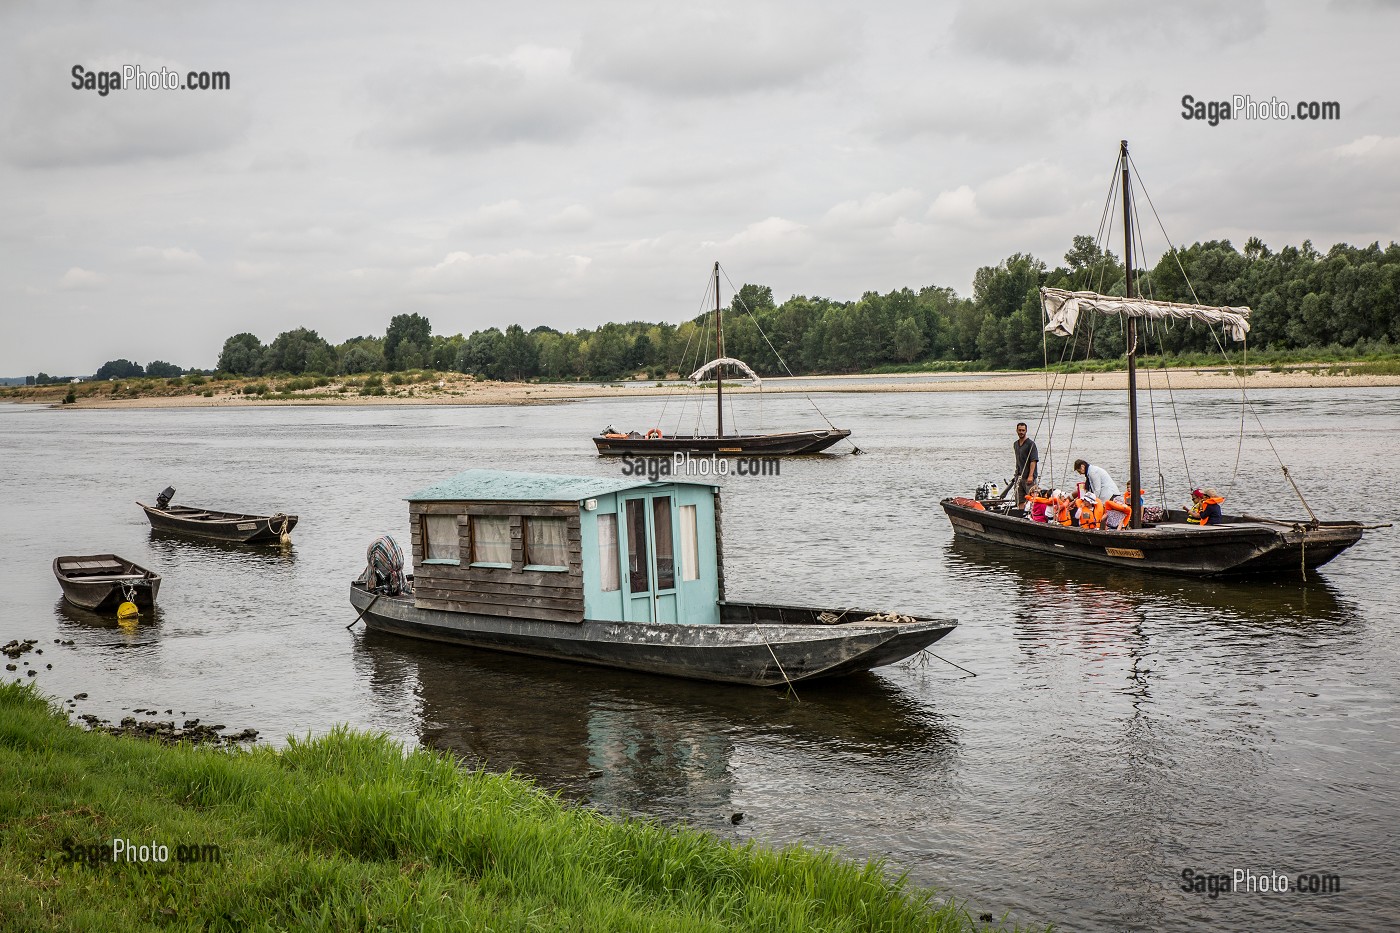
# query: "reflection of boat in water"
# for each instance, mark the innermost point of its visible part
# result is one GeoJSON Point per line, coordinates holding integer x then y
{"type": "Point", "coordinates": [614, 572]}
{"type": "Point", "coordinates": [631, 741]}
{"type": "Point", "coordinates": [174, 547]}
{"type": "Point", "coordinates": [69, 615]}
{"type": "Point", "coordinates": [1109, 592]}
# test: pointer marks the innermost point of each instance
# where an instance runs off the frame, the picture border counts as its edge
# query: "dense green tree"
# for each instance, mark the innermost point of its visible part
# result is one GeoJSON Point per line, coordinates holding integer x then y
{"type": "Point", "coordinates": [408, 342]}
{"type": "Point", "coordinates": [163, 370]}
{"type": "Point", "coordinates": [118, 369]}
{"type": "Point", "coordinates": [298, 351]}
{"type": "Point", "coordinates": [517, 357]}
{"type": "Point", "coordinates": [242, 355]}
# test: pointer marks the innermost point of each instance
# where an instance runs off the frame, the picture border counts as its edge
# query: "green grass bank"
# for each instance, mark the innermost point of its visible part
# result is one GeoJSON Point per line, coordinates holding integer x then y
{"type": "Point", "coordinates": [350, 832]}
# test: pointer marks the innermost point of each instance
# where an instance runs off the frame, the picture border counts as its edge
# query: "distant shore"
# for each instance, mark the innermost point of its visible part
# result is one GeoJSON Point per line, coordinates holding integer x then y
{"type": "Point", "coordinates": [454, 389]}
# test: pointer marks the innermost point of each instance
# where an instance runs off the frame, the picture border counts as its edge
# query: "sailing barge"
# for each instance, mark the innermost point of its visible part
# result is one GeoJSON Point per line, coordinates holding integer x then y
{"type": "Point", "coordinates": [614, 572]}
{"type": "Point", "coordinates": [1237, 546]}
{"type": "Point", "coordinates": [656, 443]}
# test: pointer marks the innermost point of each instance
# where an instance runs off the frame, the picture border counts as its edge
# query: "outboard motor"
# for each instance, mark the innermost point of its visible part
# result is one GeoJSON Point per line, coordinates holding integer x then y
{"type": "Point", "coordinates": [164, 498]}
{"type": "Point", "coordinates": [987, 490]}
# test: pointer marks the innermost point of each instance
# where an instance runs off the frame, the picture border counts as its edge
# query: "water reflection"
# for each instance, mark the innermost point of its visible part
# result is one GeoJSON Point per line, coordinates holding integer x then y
{"type": "Point", "coordinates": [174, 547]}
{"type": "Point", "coordinates": [93, 628]}
{"type": "Point", "coordinates": [1052, 589]}
{"type": "Point", "coordinates": [635, 743]}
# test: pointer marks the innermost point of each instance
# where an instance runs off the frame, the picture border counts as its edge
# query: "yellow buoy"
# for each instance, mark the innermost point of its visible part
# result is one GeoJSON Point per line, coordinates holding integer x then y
{"type": "Point", "coordinates": [127, 610]}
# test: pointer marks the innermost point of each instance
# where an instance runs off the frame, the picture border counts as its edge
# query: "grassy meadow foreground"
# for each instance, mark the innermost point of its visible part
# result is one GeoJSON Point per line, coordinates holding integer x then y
{"type": "Point", "coordinates": [348, 831]}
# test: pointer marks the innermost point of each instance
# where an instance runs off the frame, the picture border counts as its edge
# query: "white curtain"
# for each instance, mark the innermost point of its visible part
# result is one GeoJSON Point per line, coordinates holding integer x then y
{"type": "Point", "coordinates": [690, 544]}
{"type": "Point", "coordinates": [546, 544]}
{"type": "Point", "coordinates": [607, 553]}
{"type": "Point", "coordinates": [440, 537]}
{"type": "Point", "coordinates": [490, 539]}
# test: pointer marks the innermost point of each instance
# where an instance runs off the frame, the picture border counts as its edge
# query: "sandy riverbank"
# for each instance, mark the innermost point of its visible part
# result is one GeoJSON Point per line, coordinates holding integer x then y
{"type": "Point", "coordinates": [465, 391]}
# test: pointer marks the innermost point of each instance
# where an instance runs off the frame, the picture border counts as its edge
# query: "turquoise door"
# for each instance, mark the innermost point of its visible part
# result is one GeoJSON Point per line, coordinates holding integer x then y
{"type": "Point", "coordinates": [649, 562]}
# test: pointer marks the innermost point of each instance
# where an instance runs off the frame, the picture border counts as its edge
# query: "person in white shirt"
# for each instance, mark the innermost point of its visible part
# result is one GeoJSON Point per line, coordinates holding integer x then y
{"type": "Point", "coordinates": [1097, 481]}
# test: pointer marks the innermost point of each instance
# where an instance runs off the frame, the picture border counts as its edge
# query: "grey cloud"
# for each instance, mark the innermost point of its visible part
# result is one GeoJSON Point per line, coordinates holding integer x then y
{"type": "Point", "coordinates": [716, 51]}
{"type": "Point", "coordinates": [481, 104]}
{"type": "Point", "coordinates": [1078, 31]}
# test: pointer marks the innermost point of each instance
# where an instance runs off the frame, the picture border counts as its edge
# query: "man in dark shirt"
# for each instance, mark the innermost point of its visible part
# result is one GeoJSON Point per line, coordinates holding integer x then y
{"type": "Point", "coordinates": [1027, 463]}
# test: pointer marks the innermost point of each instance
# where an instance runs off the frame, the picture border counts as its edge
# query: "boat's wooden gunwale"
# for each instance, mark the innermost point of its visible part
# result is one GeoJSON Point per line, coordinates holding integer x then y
{"type": "Point", "coordinates": [754, 654]}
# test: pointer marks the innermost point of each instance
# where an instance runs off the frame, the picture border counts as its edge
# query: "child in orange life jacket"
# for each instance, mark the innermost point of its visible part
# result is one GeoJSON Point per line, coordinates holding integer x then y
{"type": "Point", "coordinates": [1205, 507]}
{"type": "Point", "coordinates": [1054, 508]}
{"type": "Point", "coordinates": [1090, 509]}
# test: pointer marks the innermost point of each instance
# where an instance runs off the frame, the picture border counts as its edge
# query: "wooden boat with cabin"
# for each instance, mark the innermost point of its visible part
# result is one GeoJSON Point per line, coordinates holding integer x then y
{"type": "Point", "coordinates": [615, 572]}
{"type": "Point", "coordinates": [102, 582]}
{"type": "Point", "coordinates": [656, 443]}
{"type": "Point", "coordinates": [1241, 545]}
{"type": "Point", "coordinates": [210, 523]}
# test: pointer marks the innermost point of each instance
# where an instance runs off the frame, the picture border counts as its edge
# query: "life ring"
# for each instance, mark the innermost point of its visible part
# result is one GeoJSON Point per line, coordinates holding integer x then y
{"type": "Point", "coordinates": [653, 434]}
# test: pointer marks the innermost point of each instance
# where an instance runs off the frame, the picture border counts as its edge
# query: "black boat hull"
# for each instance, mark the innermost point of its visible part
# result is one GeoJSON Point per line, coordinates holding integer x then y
{"type": "Point", "coordinates": [220, 526]}
{"type": "Point", "coordinates": [749, 647]}
{"type": "Point", "coordinates": [792, 443]}
{"type": "Point", "coordinates": [1239, 547]}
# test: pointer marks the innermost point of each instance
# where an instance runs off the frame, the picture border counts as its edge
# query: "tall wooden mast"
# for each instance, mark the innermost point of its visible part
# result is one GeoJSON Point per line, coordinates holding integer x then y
{"type": "Point", "coordinates": [719, 370]}
{"type": "Point", "coordinates": [1134, 473]}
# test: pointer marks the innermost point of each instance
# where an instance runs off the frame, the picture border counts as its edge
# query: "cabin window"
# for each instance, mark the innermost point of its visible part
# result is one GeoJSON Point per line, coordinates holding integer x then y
{"type": "Point", "coordinates": [637, 575]}
{"type": "Point", "coordinates": [440, 538]}
{"type": "Point", "coordinates": [546, 544]}
{"type": "Point", "coordinates": [491, 540]}
{"type": "Point", "coordinates": [665, 545]}
{"type": "Point", "coordinates": [607, 553]}
{"type": "Point", "coordinates": [690, 544]}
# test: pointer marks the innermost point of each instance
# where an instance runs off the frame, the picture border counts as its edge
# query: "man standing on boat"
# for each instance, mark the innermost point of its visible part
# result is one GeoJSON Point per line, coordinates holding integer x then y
{"type": "Point", "coordinates": [1027, 463]}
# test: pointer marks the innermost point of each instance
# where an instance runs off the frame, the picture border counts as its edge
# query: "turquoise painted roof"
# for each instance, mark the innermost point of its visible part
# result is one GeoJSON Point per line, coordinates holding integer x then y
{"type": "Point", "coordinates": [509, 486]}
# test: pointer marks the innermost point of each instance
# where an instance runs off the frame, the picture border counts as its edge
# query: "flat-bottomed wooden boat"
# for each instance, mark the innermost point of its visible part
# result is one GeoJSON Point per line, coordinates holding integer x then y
{"type": "Point", "coordinates": [211, 523]}
{"type": "Point", "coordinates": [102, 582]}
{"type": "Point", "coordinates": [608, 571]}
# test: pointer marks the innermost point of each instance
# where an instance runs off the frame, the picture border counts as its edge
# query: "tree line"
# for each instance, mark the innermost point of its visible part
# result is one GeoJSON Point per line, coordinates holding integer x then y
{"type": "Point", "coordinates": [1346, 300]}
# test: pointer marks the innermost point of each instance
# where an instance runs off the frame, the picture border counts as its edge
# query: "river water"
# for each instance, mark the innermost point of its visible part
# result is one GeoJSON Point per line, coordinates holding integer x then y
{"type": "Point", "coordinates": [1120, 728]}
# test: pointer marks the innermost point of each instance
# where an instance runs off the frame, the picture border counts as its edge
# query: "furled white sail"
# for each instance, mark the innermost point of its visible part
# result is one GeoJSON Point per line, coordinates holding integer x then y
{"type": "Point", "coordinates": [1062, 308]}
{"type": "Point", "coordinates": [725, 361]}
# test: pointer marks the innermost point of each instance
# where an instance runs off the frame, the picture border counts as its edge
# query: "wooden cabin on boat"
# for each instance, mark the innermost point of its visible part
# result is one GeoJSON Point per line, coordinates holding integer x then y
{"type": "Point", "coordinates": [568, 548]}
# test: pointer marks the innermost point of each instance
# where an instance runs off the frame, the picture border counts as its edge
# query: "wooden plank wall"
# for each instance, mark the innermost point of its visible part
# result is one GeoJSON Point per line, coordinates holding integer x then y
{"type": "Point", "coordinates": [513, 591]}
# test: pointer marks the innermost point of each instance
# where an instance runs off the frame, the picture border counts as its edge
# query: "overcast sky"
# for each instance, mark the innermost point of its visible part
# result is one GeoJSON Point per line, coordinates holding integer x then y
{"type": "Point", "coordinates": [577, 162]}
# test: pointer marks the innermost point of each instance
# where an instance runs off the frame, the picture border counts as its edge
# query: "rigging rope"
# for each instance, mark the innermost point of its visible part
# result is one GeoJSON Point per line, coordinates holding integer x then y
{"type": "Point", "coordinates": [781, 362]}
{"type": "Point", "coordinates": [1246, 401]}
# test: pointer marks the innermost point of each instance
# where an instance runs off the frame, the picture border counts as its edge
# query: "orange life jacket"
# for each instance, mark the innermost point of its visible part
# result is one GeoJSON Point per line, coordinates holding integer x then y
{"type": "Point", "coordinates": [1090, 516]}
{"type": "Point", "coordinates": [1198, 512]}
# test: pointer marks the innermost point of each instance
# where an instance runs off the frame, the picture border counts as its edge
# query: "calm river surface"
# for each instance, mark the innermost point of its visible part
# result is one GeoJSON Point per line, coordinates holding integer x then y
{"type": "Point", "coordinates": [1121, 728]}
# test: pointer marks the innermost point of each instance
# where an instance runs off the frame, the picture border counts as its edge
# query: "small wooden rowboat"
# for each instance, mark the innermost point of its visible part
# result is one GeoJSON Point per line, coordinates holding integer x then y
{"type": "Point", "coordinates": [102, 582]}
{"type": "Point", "coordinates": [224, 526]}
